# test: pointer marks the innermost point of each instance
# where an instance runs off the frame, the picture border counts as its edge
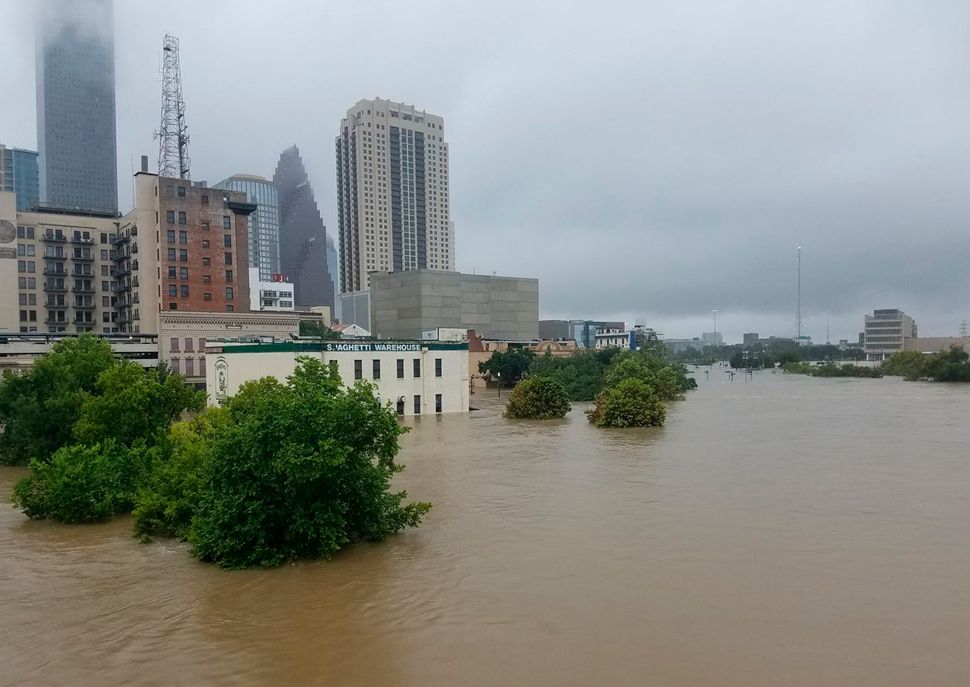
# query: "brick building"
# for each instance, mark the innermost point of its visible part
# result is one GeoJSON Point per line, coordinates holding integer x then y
{"type": "Point", "coordinates": [183, 247]}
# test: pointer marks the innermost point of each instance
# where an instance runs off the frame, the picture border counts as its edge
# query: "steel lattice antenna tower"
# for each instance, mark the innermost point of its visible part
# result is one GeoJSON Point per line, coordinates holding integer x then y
{"type": "Point", "coordinates": [172, 135]}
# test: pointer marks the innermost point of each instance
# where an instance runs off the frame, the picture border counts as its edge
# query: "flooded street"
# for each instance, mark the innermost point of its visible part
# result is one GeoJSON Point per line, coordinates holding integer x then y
{"type": "Point", "coordinates": [779, 531]}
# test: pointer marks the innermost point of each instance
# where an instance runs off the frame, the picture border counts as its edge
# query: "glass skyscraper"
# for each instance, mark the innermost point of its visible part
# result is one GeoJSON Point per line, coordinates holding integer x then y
{"type": "Point", "coordinates": [76, 105]}
{"type": "Point", "coordinates": [18, 174]}
{"type": "Point", "coordinates": [264, 224]}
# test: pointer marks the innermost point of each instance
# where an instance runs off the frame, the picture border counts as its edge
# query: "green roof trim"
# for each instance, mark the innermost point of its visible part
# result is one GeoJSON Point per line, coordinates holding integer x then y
{"type": "Point", "coordinates": [343, 346]}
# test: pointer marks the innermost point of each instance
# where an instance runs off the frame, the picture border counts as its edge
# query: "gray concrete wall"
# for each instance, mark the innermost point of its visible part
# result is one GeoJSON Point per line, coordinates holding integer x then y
{"type": "Point", "coordinates": [403, 304]}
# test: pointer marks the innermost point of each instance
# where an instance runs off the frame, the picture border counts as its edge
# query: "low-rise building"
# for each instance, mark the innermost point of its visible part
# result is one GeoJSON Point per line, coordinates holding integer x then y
{"type": "Point", "coordinates": [887, 332]}
{"type": "Point", "coordinates": [183, 335]}
{"type": "Point", "coordinates": [20, 351]}
{"type": "Point", "coordinates": [275, 294]}
{"type": "Point", "coordinates": [612, 338]}
{"type": "Point", "coordinates": [414, 377]}
{"type": "Point", "coordinates": [934, 344]}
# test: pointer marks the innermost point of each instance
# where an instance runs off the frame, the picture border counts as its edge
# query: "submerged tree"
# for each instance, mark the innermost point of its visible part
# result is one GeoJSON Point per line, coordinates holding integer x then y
{"type": "Point", "coordinates": [631, 403]}
{"type": "Point", "coordinates": [538, 398]}
{"type": "Point", "coordinates": [299, 470]}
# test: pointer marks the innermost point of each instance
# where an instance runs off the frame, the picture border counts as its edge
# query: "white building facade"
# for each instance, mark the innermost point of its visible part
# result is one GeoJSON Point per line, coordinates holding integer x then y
{"type": "Point", "coordinates": [414, 377]}
{"type": "Point", "coordinates": [273, 294]}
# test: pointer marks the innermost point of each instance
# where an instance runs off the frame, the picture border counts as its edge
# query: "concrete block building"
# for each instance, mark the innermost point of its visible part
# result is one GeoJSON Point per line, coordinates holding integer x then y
{"type": "Point", "coordinates": [404, 304]}
{"type": "Point", "coordinates": [887, 331]}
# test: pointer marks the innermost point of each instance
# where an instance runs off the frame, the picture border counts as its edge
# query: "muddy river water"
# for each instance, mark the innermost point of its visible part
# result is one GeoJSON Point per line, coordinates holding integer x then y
{"type": "Point", "coordinates": [778, 531]}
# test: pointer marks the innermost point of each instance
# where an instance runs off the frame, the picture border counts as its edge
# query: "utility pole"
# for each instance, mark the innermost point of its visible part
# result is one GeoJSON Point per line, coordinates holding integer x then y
{"type": "Point", "coordinates": [172, 134]}
{"type": "Point", "coordinates": [798, 306]}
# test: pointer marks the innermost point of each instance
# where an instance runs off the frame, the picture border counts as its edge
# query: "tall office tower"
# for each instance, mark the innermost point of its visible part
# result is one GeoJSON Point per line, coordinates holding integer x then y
{"type": "Point", "coordinates": [264, 224]}
{"type": "Point", "coordinates": [392, 192]}
{"type": "Point", "coordinates": [76, 106]}
{"type": "Point", "coordinates": [333, 263]}
{"type": "Point", "coordinates": [303, 237]}
{"type": "Point", "coordinates": [18, 174]}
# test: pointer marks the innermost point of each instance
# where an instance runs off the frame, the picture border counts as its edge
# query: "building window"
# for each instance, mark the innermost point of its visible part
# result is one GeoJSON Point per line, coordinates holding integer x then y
{"type": "Point", "coordinates": [173, 306]}
{"type": "Point", "coordinates": [175, 364]}
{"type": "Point", "coordinates": [400, 406]}
{"type": "Point", "coordinates": [171, 254]}
{"type": "Point", "coordinates": [171, 236]}
{"type": "Point", "coordinates": [183, 255]}
{"type": "Point", "coordinates": [206, 279]}
{"type": "Point", "coordinates": [228, 276]}
{"type": "Point", "coordinates": [206, 261]}
{"type": "Point", "coordinates": [207, 296]}
{"type": "Point", "coordinates": [181, 191]}
{"type": "Point", "coordinates": [190, 367]}
{"type": "Point", "coordinates": [205, 200]}
{"type": "Point", "coordinates": [228, 293]}
{"type": "Point", "coordinates": [185, 290]}
{"type": "Point", "coordinates": [170, 216]}
{"type": "Point", "coordinates": [417, 404]}
{"type": "Point", "coordinates": [228, 258]}
{"type": "Point", "coordinates": [183, 236]}
{"type": "Point", "coordinates": [437, 367]}
{"type": "Point", "coordinates": [171, 272]}
{"type": "Point", "coordinates": [400, 368]}
{"type": "Point", "coordinates": [358, 369]}
{"type": "Point", "coordinates": [188, 344]}
{"type": "Point", "coordinates": [181, 218]}
{"type": "Point", "coordinates": [184, 274]}
{"type": "Point", "coordinates": [437, 403]}
{"type": "Point", "coordinates": [229, 307]}
{"type": "Point", "coordinates": [227, 240]}
{"type": "Point", "coordinates": [377, 369]}
{"type": "Point", "coordinates": [205, 224]}
{"type": "Point", "coordinates": [174, 344]}
{"type": "Point", "coordinates": [417, 367]}
{"type": "Point", "coordinates": [225, 222]}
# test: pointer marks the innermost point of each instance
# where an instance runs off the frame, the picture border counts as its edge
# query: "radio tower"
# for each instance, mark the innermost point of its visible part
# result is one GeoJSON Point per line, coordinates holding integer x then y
{"type": "Point", "coordinates": [172, 135]}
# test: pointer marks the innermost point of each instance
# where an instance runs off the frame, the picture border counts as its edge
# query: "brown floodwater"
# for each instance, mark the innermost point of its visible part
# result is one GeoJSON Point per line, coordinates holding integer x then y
{"type": "Point", "coordinates": [778, 531]}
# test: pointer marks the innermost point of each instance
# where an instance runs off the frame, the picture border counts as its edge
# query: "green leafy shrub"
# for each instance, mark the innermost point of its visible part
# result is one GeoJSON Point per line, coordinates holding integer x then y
{"type": "Point", "coordinates": [631, 403]}
{"type": "Point", "coordinates": [167, 501]}
{"type": "Point", "coordinates": [911, 365]}
{"type": "Point", "coordinates": [952, 365]}
{"type": "Point", "coordinates": [538, 398]}
{"type": "Point", "coordinates": [299, 470]}
{"type": "Point", "coordinates": [82, 483]}
{"type": "Point", "coordinates": [39, 407]}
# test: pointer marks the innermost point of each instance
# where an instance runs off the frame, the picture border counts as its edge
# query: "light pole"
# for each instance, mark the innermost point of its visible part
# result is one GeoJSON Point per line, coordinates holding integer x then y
{"type": "Point", "coordinates": [714, 344]}
{"type": "Point", "coordinates": [499, 375]}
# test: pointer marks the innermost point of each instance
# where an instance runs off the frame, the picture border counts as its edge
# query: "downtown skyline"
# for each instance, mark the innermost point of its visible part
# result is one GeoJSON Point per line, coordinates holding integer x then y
{"type": "Point", "coordinates": [668, 169]}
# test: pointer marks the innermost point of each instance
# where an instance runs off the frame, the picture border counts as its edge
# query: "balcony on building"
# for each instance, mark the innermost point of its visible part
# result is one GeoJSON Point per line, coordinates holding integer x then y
{"type": "Point", "coordinates": [53, 237]}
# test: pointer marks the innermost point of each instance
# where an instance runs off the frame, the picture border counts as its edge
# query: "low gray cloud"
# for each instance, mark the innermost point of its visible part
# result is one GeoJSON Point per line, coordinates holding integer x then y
{"type": "Point", "coordinates": [649, 161]}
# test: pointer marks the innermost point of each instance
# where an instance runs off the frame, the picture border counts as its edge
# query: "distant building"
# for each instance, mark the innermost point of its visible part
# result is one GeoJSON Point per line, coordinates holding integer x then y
{"type": "Point", "coordinates": [933, 344]}
{"type": "Point", "coordinates": [392, 192]}
{"type": "Point", "coordinates": [303, 236]}
{"type": "Point", "coordinates": [273, 294]}
{"type": "Point", "coordinates": [19, 175]}
{"type": "Point", "coordinates": [263, 241]}
{"type": "Point", "coordinates": [76, 106]}
{"type": "Point", "coordinates": [333, 270]}
{"type": "Point", "coordinates": [750, 338]}
{"type": "Point", "coordinates": [887, 332]}
{"type": "Point", "coordinates": [712, 338]}
{"type": "Point", "coordinates": [612, 338]}
{"type": "Point", "coordinates": [583, 332]}
{"type": "Point", "coordinates": [676, 346]}
{"type": "Point", "coordinates": [19, 352]}
{"type": "Point", "coordinates": [404, 304]}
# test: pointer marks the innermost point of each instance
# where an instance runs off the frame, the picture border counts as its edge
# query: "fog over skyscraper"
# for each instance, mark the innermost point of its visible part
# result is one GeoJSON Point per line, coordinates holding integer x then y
{"type": "Point", "coordinates": [76, 105]}
{"type": "Point", "coordinates": [392, 192]}
{"type": "Point", "coordinates": [303, 236]}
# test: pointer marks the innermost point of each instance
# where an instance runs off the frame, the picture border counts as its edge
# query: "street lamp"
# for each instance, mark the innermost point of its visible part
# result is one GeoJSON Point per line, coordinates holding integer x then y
{"type": "Point", "coordinates": [499, 375]}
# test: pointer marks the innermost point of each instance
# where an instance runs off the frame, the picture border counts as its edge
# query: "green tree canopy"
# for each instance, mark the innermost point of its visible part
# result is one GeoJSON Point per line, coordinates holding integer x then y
{"type": "Point", "coordinates": [510, 365]}
{"type": "Point", "coordinates": [908, 364]}
{"type": "Point", "coordinates": [538, 398]}
{"type": "Point", "coordinates": [38, 408]}
{"type": "Point", "coordinates": [631, 403]}
{"type": "Point", "coordinates": [952, 365]}
{"type": "Point", "coordinates": [298, 471]}
{"type": "Point", "coordinates": [318, 330]}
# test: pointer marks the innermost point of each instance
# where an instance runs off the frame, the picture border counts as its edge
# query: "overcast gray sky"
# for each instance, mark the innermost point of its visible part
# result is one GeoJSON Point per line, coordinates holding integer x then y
{"type": "Point", "coordinates": [647, 161]}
